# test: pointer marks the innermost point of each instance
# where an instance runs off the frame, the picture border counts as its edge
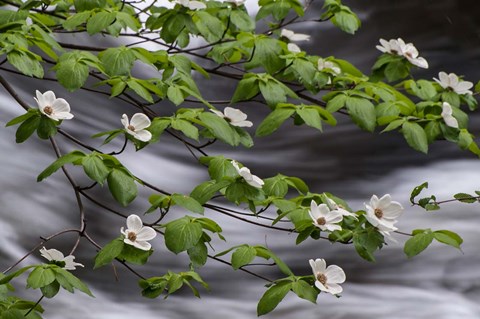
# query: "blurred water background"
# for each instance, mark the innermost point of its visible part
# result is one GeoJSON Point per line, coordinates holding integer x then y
{"type": "Point", "coordinates": [441, 283]}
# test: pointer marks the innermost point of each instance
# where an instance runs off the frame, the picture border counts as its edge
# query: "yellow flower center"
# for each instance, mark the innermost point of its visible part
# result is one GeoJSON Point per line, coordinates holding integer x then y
{"type": "Point", "coordinates": [378, 213]}
{"type": "Point", "coordinates": [321, 221]}
{"type": "Point", "coordinates": [131, 128]}
{"type": "Point", "coordinates": [322, 279]}
{"type": "Point", "coordinates": [48, 110]}
{"type": "Point", "coordinates": [132, 236]}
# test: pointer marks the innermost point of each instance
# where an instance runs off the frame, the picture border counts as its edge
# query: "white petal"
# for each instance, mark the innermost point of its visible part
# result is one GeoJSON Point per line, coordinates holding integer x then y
{"type": "Point", "coordinates": [218, 113]}
{"type": "Point", "coordinates": [319, 266]}
{"type": "Point", "coordinates": [300, 37]}
{"type": "Point", "coordinates": [60, 105]}
{"type": "Point", "coordinates": [446, 109]}
{"type": "Point", "coordinates": [63, 116]}
{"type": "Point", "coordinates": [384, 201]}
{"type": "Point", "coordinates": [323, 210]}
{"type": "Point", "coordinates": [143, 135]}
{"type": "Point", "coordinates": [124, 121]}
{"type": "Point", "coordinates": [321, 286]}
{"type": "Point", "coordinates": [334, 289]}
{"type": "Point", "coordinates": [450, 121]}
{"type": "Point", "coordinates": [143, 245]}
{"type": "Point", "coordinates": [420, 62]}
{"type": "Point", "coordinates": [314, 210]}
{"type": "Point", "coordinates": [146, 233]}
{"type": "Point", "coordinates": [70, 264]}
{"type": "Point", "coordinates": [48, 98]}
{"type": "Point", "coordinates": [134, 223]}
{"type": "Point", "coordinates": [383, 49]}
{"type": "Point", "coordinates": [453, 80]}
{"type": "Point", "coordinates": [334, 217]}
{"type": "Point", "coordinates": [51, 254]}
{"type": "Point", "coordinates": [140, 121]}
{"type": "Point", "coordinates": [292, 47]}
{"type": "Point", "coordinates": [287, 34]}
{"type": "Point", "coordinates": [235, 114]}
{"type": "Point", "coordinates": [194, 5]}
{"type": "Point", "coordinates": [330, 227]}
{"type": "Point", "coordinates": [335, 275]}
{"type": "Point", "coordinates": [242, 124]}
{"type": "Point", "coordinates": [444, 79]}
{"type": "Point", "coordinates": [464, 87]}
{"type": "Point", "coordinates": [372, 219]}
{"type": "Point", "coordinates": [393, 211]}
{"type": "Point", "coordinates": [374, 201]}
{"type": "Point", "coordinates": [256, 182]}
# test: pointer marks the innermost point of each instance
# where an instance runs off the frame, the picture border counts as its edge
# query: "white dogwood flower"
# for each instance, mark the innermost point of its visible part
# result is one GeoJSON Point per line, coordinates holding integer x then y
{"type": "Point", "coordinates": [54, 256]}
{"type": "Point", "coordinates": [251, 179]}
{"type": "Point", "coordinates": [337, 207]}
{"type": "Point", "coordinates": [294, 37]}
{"type": "Point", "coordinates": [452, 82]}
{"type": "Point", "coordinates": [324, 64]}
{"type": "Point", "coordinates": [327, 279]}
{"type": "Point", "coordinates": [324, 218]}
{"type": "Point", "coordinates": [407, 50]}
{"type": "Point", "coordinates": [383, 212]}
{"type": "Point", "coordinates": [50, 106]}
{"type": "Point", "coordinates": [447, 115]}
{"type": "Point", "coordinates": [292, 47]}
{"type": "Point", "coordinates": [137, 126]}
{"type": "Point", "coordinates": [192, 5]}
{"type": "Point", "coordinates": [234, 116]}
{"type": "Point", "coordinates": [136, 234]}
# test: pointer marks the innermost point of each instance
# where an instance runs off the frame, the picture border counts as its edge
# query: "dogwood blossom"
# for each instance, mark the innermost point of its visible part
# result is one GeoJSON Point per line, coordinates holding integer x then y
{"type": "Point", "coordinates": [407, 50]}
{"type": "Point", "coordinates": [137, 126]}
{"type": "Point", "coordinates": [234, 116]}
{"type": "Point", "coordinates": [54, 256]}
{"type": "Point", "coordinates": [324, 64]}
{"type": "Point", "coordinates": [324, 218]}
{"type": "Point", "coordinates": [292, 47]}
{"type": "Point", "coordinates": [327, 279]}
{"type": "Point", "coordinates": [383, 212]}
{"type": "Point", "coordinates": [447, 115]}
{"type": "Point", "coordinates": [136, 234]}
{"type": "Point", "coordinates": [251, 179]}
{"type": "Point", "coordinates": [50, 106]}
{"type": "Point", "coordinates": [192, 5]}
{"type": "Point", "coordinates": [294, 37]}
{"type": "Point", "coordinates": [451, 82]}
{"type": "Point", "coordinates": [336, 207]}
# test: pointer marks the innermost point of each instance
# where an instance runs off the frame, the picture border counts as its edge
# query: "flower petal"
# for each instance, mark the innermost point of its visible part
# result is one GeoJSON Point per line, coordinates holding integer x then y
{"type": "Point", "coordinates": [318, 266]}
{"type": "Point", "coordinates": [146, 233]}
{"type": "Point", "coordinates": [335, 275]}
{"type": "Point", "coordinates": [334, 289]}
{"type": "Point", "coordinates": [384, 201]}
{"type": "Point", "coordinates": [51, 254]}
{"type": "Point", "coordinates": [218, 113]}
{"type": "Point", "coordinates": [63, 115]}
{"type": "Point", "coordinates": [234, 114]}
{"type": "Point", "coordinates": [464, 87]}
{"type": "Point", "coordinates": [60, 105]}
{"type": "Point", "coordinates": [134, 223]}
{"type": "Point", "coordinates": [124, 121]}
{"type": "Point", "coordinates": [320, 286]}
{"type": "Point", "coordinates": [194, 5]}
{"type": "Point", "coordinates": [143, 245]}
{"type": "Point", "coordinates": [292, 47]}
{"type": "Point", "coordinates": [242, 124]}
{"type": "Point", "coordinates": [140, 121]}
{"type": "Point", "coordinates": [143, 135]}
{"type": "Point", "coordinates": [48, 98]}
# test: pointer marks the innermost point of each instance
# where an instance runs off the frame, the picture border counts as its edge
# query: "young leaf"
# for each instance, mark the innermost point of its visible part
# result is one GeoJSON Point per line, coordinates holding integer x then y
{"type": "Point", "coordinates": [108, 253]}
{"type": "Point", "coordinates": [26, 129]}
{"type": "Point", "coordinates": [95, 168]}
{"type": "Point", "coordinates": [243, 256]}
{"type": "Point", "coordinates": [188, 203]}
{"type": "Point", "coordinates": [40, 276]}
{"type": "Point", "coordinates": [182, 234]}
{"type": "Point", "coordinates": [273, 121]}
{"type": "Point", "coordinates": [415, 136]}
{"type": "Point", "coordinates": [419, 242]}
{"type": "Point", "coordinates": [122, 186]}
{"type": "Point", "coordinates": [272, 297]}
{"type": "Point", "coordinates": [65, 159]}
{"type": "Point", "coordinates": [448, 238]}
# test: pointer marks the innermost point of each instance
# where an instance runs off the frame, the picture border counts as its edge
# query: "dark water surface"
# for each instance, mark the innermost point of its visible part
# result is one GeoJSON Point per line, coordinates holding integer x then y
{"type": "Point", "coordinates": [441, 283]}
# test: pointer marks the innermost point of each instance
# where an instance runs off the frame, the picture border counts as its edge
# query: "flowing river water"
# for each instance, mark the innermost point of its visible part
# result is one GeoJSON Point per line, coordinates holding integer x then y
{"type": "Point", "coordinates": [441, 283]}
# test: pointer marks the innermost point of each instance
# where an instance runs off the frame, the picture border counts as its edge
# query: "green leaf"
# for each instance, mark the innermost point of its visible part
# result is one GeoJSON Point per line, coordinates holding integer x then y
{"type": "Point", "coordinates": [466, 198]}
{"type": "Point", "coordinates": [108, 253]}
{"type": "Point", "coordinates": [65, 159]}
{"type": "Point", "coordinates": [188, 203]}
{"type": "Point", "coordinates": [416, 191]}
{"type": "Point", "coordinates": [272, 297]}
{"type": "Point", "coordinates": [419, 242]}
{"type": "Point", "coordinates": [26, 129]}
{"type": "Point", "coordinates": [305, 291]}
{"type": "Point", "coordinates": [23, 117]}
{"type": "Point", "coordinates": [275, 186]}
{"type": "Point", "coordinates": [311, 117]}
{"type": "Point", "coordinates": [220, 128]}
{"type": "Point", "coordinates": [174, 94]}
{"type": "Point", "coordinates": [198, 254]}
{"type": "Point", "coordinates": [46, 128]}
{"type": "Point", "coordinates": [415, 136]}
{"type": "Point", "coordinates": [362, 112]}
{"type": "Point", "coordinates": [25, 63]}
{"type": "Point", "coordinates": [266, 55]}
{"type": "Point", "coordinates": [298, 184]}
{"type": "Point", "coordinates": [346, 21]}
{"type": "Point", "coordinates": [205, 191]}
{"type": "Point", "coordinates": [100, 21]}
{"type": "Point", "coordinates": [273, 121]}
{"type": "Point", "coordinates": [40, 276]}
{"type": "Point", "coordinates": [75, 20]}
{"type": "Point", "coordinates": [366, 242]}
{"type": "Point", "coordinates": [67, 280]}
{"type": "Point", "coordinates": [267, 253]}
{"type": "Point", "coordinates": [243, 256]}
{"type": "Point", "coordinates": [140, 90]}
{"type": "Point", "coordinates": [95, 168]}
{"type": "Point", "coordinates": [186, 128]}
{"type": "Point", "coordinates": [72, 73]}
{"type": "Point", "coordinates": [448, 238]}
{"type": "Point", "coordinates": [182, 234]}
{"type": "Point", "coordinates": [134, 255]}
{"type": "Point", "coordinates": [50, 290]}
{"type": "Point", "coordinates": [242, 20]}
{"type": "Point", "coordinates": [423, 89]}
{"type": "Point", "coordinates": [246, 89]}
{"type": "Point", "coordinates": [122, 186]}
{"type": "Point", "coordinates": [210, 27]}
{"type": "Point", "coordinates": [117, 61]}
